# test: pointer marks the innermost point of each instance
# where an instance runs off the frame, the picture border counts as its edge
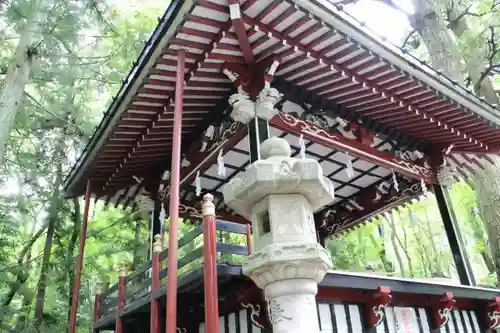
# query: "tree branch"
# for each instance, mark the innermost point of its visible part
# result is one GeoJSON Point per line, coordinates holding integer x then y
{"type": "Point", "coordinates": [467, 12]}
{"type": "Point", "coordinates": [408, 38]}
{"type": "Point", "coordinates": [81, 131]}
{"type": "Point", "coordinates": [493, 51]}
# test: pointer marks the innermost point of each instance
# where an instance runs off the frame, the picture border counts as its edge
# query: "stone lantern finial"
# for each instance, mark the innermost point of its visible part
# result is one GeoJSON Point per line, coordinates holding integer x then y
{"type": "Point", "coordinates": [208, 207]}
{"type": "Point", "coordinates": [275, 147]}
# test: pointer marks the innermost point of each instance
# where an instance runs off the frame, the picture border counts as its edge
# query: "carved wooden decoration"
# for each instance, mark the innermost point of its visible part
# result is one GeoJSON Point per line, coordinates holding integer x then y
{"type": "Point", "coordinates": [374, 311]}
{"type": "Point", "coordinates": [441, 310]}
{"type": "Point", "coordinates": [354, 146]}
{"type": "Point", "coordinates": [372, 199]}
{"type": "Point", "coordinates": [493, 314]}
{"type": "Point", "coordinates": [255, 315]}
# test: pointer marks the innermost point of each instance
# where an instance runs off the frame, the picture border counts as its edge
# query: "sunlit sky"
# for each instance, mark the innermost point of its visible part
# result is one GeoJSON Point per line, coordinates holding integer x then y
{"type": "Point", "coordinates": [382, 19]}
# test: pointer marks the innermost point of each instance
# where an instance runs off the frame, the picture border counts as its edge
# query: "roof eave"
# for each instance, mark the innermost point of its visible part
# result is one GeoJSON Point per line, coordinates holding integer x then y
{"type": "Point", "coordinates": [168, 23]}
{"type": "Point", "coordinates": [328, 12]}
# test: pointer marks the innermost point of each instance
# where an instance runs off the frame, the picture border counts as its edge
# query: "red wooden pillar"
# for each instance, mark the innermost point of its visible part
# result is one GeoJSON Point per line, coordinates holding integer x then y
{"type": "Point", "coordinates": [120, 304]}
{"type": "Point", "coordinates": [249, 239]}
{"type": "Point", "coordinates": [210, 266]}
{"type": "Point", "coordinates": [171, 313]}
{"type": "Point", "coordinates": [79, 261]}
{"type": "Point", "coordinates": [97, 306]}
{"type": "Point", "coordinates": [154, 325]}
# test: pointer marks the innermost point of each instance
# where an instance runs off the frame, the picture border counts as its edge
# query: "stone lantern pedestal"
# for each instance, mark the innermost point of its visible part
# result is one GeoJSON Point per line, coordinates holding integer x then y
{"type": "Point", "coordinates": [279, 194]}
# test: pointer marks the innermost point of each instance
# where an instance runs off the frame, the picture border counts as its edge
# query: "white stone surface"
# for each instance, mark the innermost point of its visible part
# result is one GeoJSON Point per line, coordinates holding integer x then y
{"type": "Point", "coordinates": [267, 99]}
{"type": "Point", "coordinates": [294, 313]}
{"type": "Point", "coordinates": [278, 173]}
{"type": "Point", "coordinates": [243, 108]}
{"type": "Point", "coordinates": [280, 194]}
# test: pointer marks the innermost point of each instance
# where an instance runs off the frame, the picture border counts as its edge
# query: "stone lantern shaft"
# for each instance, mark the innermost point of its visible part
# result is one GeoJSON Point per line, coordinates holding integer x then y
{"type": "Point", "coordinates": [279, 194]}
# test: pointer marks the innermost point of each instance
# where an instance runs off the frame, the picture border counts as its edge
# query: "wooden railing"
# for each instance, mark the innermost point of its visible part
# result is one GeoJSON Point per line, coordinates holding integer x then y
{"type": "Point", "coordinates": [232, 246]}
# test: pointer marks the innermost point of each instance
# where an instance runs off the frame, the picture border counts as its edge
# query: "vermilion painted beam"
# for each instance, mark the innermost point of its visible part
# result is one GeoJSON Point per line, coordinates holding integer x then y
{"type": "Point", "coordinates": [290, 124]}
{"type": "Point", "coordinates": [210, 266]}
{"type": "Point", "coordinates": [79, 261]}
{"type": "Point", "coordinates": [348, 294]}
{"type": "Point", "coordinates": [239, 28]}
{"type": "Point", "coordinates": [171, 311]}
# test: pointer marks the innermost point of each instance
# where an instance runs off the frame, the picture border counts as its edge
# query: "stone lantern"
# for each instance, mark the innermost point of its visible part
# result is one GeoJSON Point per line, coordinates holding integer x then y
{"type": "Point", "coordinates": [280, 194]}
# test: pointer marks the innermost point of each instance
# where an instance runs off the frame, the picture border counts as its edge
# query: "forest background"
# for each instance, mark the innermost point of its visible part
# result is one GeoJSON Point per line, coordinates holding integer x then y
{"type": "Point", "coordinates": [62, 61]}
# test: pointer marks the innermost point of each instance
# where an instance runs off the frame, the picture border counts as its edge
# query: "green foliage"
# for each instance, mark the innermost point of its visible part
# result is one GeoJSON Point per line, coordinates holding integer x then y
{"type": "Point", "coordinates": [83, 51]}
{"type": "Point", "coordinates": [418, 234]}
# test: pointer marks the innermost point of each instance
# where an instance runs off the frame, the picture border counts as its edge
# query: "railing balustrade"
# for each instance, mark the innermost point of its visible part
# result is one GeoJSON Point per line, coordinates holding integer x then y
{"type": "Point", "coordinates": [232, 246]}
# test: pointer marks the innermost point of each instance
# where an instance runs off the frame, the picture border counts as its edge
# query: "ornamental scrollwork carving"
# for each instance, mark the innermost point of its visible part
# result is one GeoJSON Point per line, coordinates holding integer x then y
{"type": "Point", "coordinates": [314, 116]}
{"type": "Point", "coordinates": [190, 211]}
{"type": "Point", "coordinates": [414, 168]}
{"type": "Point", "coordinates": [225, 133]}
{"type": "Point", "coordinates": [407, 191]}
{"type": "Point", "coordinates": [254, 314]}
{"type": "Point", "coordinates": [276, 313]}
{"type": "Point", "coordinates": [494, 319]}
{"type": "Point", "coordinates": [376, 306]}
{"type": "Point", "coordinates": [493, 314]}
{"type": "Point", "coordinates": [304, 126]}
{"type": "Point", "coordinates": [441, 310]}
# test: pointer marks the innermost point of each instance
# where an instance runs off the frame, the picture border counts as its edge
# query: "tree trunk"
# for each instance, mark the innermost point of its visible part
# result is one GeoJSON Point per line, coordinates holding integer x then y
{"type": "Point", "coordinates": [137, 244]}
{"type": "Point", "coordinates": [430, 24]}
{"type": "Point", "coordinates": [386, 263]}
{"type": "Point", "coordinates": [475, 61]}
{"type": "Point", "coordinates": [404, 246]}
{"type": "Point", "coordinates": [23, 260]}
{"type": "Point", "coordinates": [12, 89]}
{"type": "Point", "coordinates": [55, 204]}
{"type": "Point", "coordinates": [475, 65]}
{"type": "Point", "coordinates": [479, 232]}
{"type": "Point", "coordinates": [436, 267]}
{"type": "Point", "coordinates": [390, 219]}
{"type": "Point", "coordinates": [445, 55]}
{"type": "Point", "coordinates": [421, 249]}
{"type": "Point", "coordinates": [487, 187]}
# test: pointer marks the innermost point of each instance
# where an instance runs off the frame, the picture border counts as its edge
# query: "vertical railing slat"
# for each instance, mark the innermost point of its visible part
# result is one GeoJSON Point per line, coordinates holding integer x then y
{"type": "Point", "coordinates": [154, 325]}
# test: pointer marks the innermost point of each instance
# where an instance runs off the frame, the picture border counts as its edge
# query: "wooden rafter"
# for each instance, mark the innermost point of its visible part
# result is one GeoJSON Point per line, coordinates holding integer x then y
{"type": "Point", "coordinates": [239, 28]}
{"type": "Point", "coordinates": [199, 61]}
{"type": "Point", "coordinates": [343, 71]}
